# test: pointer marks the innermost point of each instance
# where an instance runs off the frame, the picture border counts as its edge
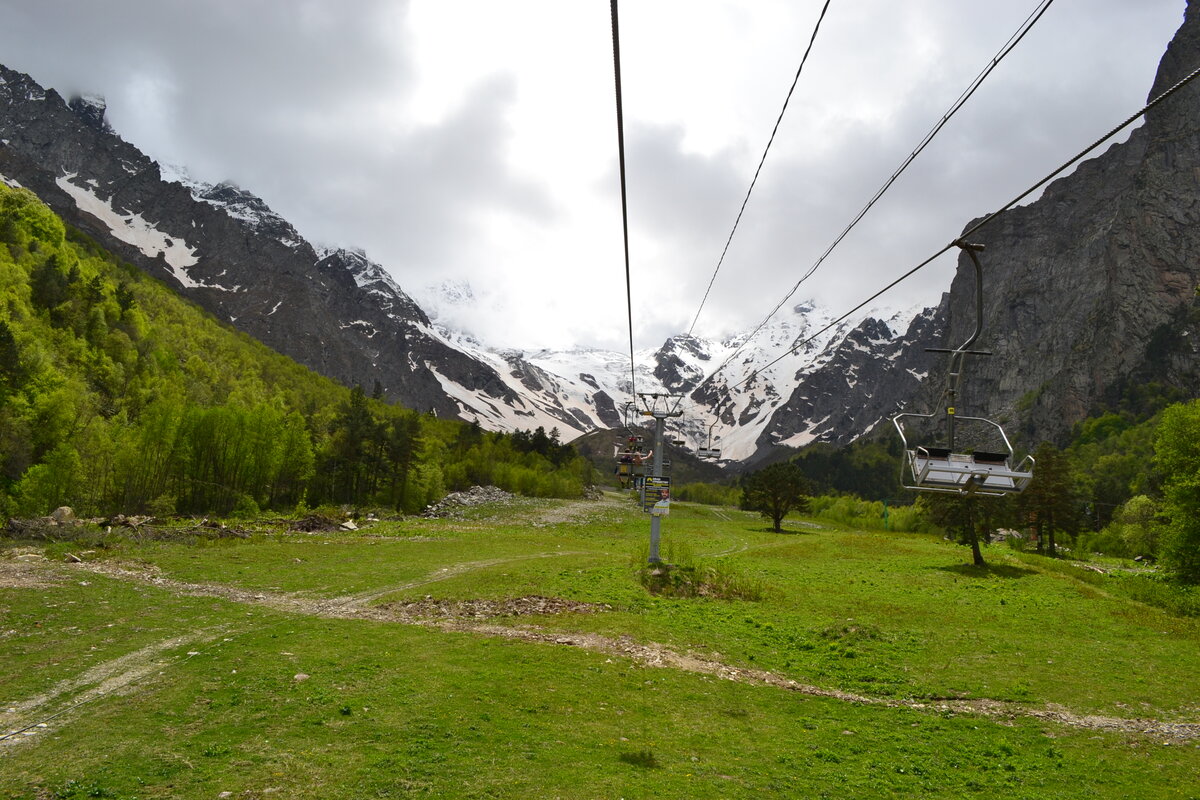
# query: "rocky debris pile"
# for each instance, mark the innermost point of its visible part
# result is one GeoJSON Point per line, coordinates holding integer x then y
{"type": "Point", "coordinates": [314, 523]}
{"type": "Point", "coordinates": [475, 496]}
{"type": "Point", "coordinates": [429, 608]}
{"type": "Point", "coordinates": [63, 525]}
{"type": "Point", "coordinates": [593, 492]}
{"type": "Point", "coordinates": [43, 527]}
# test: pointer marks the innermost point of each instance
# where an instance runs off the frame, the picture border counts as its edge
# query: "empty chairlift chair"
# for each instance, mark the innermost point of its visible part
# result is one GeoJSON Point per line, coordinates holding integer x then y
{"type": "Point", "coordinates": [939, 469]}
{"type": "Point", "coordinates": [708, 452]}
{"type": "Point", "coordinates": [945, 468]}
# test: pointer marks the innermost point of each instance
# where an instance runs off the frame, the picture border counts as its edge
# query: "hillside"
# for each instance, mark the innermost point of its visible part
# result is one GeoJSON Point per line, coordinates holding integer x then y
{"type": "Point", "coordinates": [118, 395]}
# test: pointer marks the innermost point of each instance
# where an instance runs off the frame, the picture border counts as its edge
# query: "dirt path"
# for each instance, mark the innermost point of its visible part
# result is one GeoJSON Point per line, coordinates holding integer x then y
{"type": "Point", "coordinates": [473, 616]}
{"type": "Point", "coordinates": [577, 511]}
{"type": "Point", "coordinates": [346, 606]}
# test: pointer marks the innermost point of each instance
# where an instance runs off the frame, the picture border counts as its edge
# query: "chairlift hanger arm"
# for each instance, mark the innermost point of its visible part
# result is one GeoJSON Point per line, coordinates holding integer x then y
{"type": "Point", "coordinates": [657, 405]}
{"type": "Point", "coordinates": [970, 249]}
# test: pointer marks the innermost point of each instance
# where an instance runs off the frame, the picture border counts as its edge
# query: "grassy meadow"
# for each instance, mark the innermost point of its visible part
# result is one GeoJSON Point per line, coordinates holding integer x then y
{"type": "Point", "coordinates": [409, 659]}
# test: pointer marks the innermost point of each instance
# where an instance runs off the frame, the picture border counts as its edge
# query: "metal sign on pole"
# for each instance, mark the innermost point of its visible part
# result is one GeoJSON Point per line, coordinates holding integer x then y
{"type": "Point", "coordinates": [661, 407]}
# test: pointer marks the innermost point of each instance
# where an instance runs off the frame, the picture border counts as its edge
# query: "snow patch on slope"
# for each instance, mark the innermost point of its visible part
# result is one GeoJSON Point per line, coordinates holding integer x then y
{"type": "Point", "coordinates": [134, 230]}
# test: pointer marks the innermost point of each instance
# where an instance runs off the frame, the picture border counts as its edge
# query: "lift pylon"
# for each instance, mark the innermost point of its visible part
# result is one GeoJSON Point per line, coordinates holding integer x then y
{"type": "Point", "coordinates": [656, 487]}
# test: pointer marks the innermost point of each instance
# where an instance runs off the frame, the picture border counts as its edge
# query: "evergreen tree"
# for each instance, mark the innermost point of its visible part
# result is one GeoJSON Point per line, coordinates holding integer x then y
{"type": "Point", "coordinates": [1050, 502]}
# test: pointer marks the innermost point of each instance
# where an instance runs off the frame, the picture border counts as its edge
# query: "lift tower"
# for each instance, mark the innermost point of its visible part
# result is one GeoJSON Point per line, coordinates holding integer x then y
{"type": "Point", "coordinates": [656, 487]}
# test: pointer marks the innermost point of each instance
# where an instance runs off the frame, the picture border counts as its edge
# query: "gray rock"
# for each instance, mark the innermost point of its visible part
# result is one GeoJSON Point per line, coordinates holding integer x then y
{"type": "Point", "coordinates": [63, 515]}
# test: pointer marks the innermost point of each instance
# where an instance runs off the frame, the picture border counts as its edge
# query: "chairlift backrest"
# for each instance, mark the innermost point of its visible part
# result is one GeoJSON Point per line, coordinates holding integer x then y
{"type": "Point", "coordinates": [939, 469]}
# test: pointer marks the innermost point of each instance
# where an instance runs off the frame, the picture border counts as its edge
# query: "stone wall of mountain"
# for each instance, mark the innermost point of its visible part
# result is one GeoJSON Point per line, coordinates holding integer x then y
{"type": "Point", "coordinates": [867, 379]}
{"type": "Point", "coordinates": [251, 268]}
{"type": "Point", "coordinates": [1092, 289]}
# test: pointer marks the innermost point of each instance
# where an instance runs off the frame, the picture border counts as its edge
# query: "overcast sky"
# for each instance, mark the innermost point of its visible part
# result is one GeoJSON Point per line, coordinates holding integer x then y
{"type": "Point", "coordinates": [475, 140]}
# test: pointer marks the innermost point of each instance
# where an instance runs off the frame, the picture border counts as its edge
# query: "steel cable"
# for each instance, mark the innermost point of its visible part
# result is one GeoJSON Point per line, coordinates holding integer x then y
{"type": "Point", "coordinates": [989, 218]}
{"type": "Point", "coordinates": [761, 161]}
{"type": "Point", "coordinates": [1008, 47]}
{"type": "Point", "coordinates": [624, 202]}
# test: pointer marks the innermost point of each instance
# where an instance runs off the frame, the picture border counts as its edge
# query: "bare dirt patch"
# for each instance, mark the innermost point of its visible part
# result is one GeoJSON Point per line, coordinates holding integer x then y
{"type": "Point", "coordinates": [433, 609]}
{"type": "Point", "coordinates": [26, 568]}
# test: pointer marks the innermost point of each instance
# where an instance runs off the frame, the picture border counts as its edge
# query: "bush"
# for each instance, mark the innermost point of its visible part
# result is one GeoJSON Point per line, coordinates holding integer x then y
{"type": "Point", "coordinates": [680, 575]}
{"type": "Point", "coordinates": [707, 493]}
{"type": "Point", "coordinates": [869, 514]}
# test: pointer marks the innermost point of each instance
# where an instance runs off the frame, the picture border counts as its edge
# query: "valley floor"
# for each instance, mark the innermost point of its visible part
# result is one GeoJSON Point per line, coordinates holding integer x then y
{"type": "Point", "coordinates": [513, 652]}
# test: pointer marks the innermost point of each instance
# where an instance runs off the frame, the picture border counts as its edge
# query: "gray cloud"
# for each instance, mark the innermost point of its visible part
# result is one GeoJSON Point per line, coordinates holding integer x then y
{"type": "Point", "coordinates": [306, 104]}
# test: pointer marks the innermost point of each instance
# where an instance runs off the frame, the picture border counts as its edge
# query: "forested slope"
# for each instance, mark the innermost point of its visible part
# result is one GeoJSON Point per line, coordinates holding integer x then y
{"type": "Point", "coordinates": [117, 395]}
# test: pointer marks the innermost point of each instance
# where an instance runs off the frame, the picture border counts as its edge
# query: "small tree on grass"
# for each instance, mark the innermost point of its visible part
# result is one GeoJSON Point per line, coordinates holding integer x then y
{"type": "Point", "coordinates": [774, 491]}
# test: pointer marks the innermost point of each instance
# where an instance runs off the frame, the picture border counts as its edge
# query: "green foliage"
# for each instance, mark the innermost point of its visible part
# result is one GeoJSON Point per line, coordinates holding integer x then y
{"type": "Point", "coordinates": [1136, 530]}
{"type": "Point", "coordinates": [868, 514]}
{"type": "Point", "coordinates": [1113, 459]}
{"type": "Point", "coordinates": [117, 395]}
{"type": "Point", "coordinates": [1177, 452]}
{"type": "Point", "coordinates": [708, 493]}
{"type": "Point", "coordinates": [867, 468]}
{"type": "Point", "coordinates": [774, 491]}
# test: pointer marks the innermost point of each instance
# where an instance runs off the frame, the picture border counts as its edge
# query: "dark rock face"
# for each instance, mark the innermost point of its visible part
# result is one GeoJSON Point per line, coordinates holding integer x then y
{"type": "Point", "coordinates": [868, 377]}
{"type": "Point", "coordinates": [225, 250]}
{"type": "Point", "coordinates": [1093, 285]}
{"type": "Point", "coordinates": [675, 374]}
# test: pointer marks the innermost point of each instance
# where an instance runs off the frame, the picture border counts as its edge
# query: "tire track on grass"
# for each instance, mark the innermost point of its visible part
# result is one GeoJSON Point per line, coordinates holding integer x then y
{"type": "Point", "coordinates": [119, 675]}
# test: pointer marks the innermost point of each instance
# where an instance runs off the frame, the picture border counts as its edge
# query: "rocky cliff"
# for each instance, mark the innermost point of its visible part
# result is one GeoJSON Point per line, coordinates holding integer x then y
{"type": "Point", "coordinates": [225, 250]}
{"type": "Point", "coordinates": [1092, 287]}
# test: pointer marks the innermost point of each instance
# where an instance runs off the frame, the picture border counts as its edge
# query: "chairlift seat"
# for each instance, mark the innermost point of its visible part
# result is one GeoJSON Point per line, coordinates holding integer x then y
{"type": "Point", "coordinates": [938, 469]}
{"type": "Point", "coordinates": [964, 473]}
{"type": "Point", "coordinates": [708, 452]}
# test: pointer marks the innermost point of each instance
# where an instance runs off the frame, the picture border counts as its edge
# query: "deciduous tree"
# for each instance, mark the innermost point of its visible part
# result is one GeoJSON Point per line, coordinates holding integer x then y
{"type": "Point", "coordinates": [774, 491]}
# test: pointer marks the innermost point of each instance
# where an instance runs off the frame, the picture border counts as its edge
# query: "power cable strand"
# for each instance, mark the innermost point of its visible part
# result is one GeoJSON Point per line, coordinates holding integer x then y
{"type": "Point", "coordinates": [977, 226]}
{"type": "Point", "coordinates": [1008, 47]}
{"type": "Point", "coordinates": [761, 161]}
{"type": "Point", "coordinates": [624, 201]}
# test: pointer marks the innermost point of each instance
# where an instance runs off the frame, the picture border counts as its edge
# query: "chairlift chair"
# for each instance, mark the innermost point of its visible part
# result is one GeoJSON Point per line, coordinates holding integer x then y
{"type": "Point", "coordinates": [928, 468]}
{"type": "Point", "coordinates": [708, 452]}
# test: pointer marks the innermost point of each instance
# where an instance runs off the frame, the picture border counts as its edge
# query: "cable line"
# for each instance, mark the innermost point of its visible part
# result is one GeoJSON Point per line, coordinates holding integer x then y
{"type": "Point", "coordinates": [989, 218]}
{"type": "Point", "coordinates": [1008, 47]}
{"type": "Point", "coordinates": [624, 202]}
{"type": "Point", "coordinates": [761, 161]}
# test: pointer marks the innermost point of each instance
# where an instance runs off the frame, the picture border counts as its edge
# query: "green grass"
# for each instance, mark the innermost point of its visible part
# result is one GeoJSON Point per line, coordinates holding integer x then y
{"type": "Point", "coordinates": [398, 710]}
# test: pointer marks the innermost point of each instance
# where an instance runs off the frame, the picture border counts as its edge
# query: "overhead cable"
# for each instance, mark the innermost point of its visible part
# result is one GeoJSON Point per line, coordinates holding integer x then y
{"type": "Point", "coordinates": [1012, 42]}
{"type": "Point", "coordinates": [977, 226]}
{"type": "Point", "coordinates": [761, 161]}
{"type": "Point", "coordinates": [624, 203]}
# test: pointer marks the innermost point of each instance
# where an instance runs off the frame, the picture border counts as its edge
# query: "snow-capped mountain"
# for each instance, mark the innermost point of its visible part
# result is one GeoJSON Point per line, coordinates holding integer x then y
{"type": "Point", "coordinates": [342, 314]}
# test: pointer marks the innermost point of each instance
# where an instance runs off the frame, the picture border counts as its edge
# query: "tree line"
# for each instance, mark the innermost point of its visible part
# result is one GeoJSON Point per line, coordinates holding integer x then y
{"type": "Point", "coordinates": [116, 395]}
